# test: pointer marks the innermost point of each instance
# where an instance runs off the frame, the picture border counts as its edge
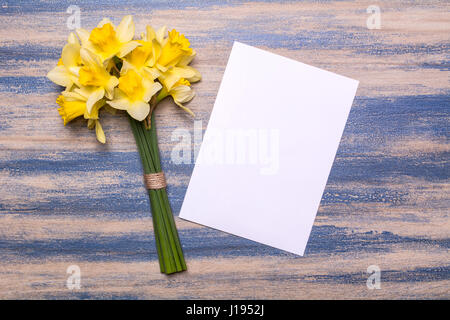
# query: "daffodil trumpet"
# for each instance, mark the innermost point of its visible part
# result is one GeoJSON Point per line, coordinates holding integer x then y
{"type": "Point", "coordinates": [106, 69]}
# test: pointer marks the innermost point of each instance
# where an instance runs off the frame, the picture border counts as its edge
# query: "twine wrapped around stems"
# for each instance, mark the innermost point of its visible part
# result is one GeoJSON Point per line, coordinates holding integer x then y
{"type": "Point", "coordinates": [154, 181]}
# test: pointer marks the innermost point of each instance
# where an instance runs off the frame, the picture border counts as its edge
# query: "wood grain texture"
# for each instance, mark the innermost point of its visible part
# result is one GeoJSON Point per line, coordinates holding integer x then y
{"type": "Point", "coordinates": [65, 199]}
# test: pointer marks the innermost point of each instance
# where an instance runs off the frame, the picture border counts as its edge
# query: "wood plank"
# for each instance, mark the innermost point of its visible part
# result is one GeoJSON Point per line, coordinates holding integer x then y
{"type": "Point", "coordinates": [65, 199]}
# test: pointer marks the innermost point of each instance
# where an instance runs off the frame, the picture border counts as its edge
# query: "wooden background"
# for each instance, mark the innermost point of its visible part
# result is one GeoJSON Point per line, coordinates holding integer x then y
{"type": "Point", "coordinates": [67, 200]}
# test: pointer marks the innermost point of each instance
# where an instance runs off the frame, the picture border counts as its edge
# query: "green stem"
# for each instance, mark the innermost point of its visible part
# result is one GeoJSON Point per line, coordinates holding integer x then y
{"type": "Point", "coordinates": [147, 169]}
{"type": "Point", "coordinates": [157, 209]}
{"type": "Point", "coordinates": [167, 216]}
{"type": "Point", "coordinates": [160, 210]}
{"type": "Point", "coordinates": [168, 244]}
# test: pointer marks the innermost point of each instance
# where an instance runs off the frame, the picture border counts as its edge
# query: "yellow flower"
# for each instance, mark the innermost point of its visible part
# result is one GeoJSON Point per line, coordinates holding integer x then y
{"type": "Point", "coordinates": [140, 56]}
{"type": "Point", "coordinates": [107, 41]}
{"type": "Point", "coordinates": [170, 57]}
{"type": "Point", "coordinates": [175, 47]}
{"type": "Point", "coordinates": [70, 110]}
{"type": "Point", "coordinates": [133, 94]}
{"type": "Point", "coordinates": [173, 75]}
{"type": "Point", "coordinates": [140, 60]}
{"type": "Point", "coordinates": [73, 105]}
{"type": "Point", "coordinates": [181, 92]}
{"type": "Point", "coordinates": [96, 79]}
{"type": "Point", "coordinates": [167, 59]}
{"type": "Point", "coordinates": [66, 72]}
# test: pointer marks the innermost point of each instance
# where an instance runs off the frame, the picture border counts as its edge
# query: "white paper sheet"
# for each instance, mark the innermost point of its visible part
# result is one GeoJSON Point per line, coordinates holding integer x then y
{"type": "Point", "coordinates": [268, 148]}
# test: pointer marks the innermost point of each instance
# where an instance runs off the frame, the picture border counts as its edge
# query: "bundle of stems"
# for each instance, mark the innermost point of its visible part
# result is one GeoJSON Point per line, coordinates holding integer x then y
{"type": "Point", "coordinates": [168, 245]}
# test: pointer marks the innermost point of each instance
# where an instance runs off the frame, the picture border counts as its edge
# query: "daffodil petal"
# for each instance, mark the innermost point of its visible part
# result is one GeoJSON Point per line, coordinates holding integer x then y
{"type": "Point", "coordinates": [105, 21]}
{"type": "Point", "coordinates": [150, 89]}
{"type": "Point", "coordinates": [109, 89]}
{"type": "Point", "coordinates": [60, 76]}
{"type": "Point", "coordinates": [75, 81]}
{"type": "Point", "coordinates": [126, 66]}
{"type": "Point", "coordinates": [160, 34]}
{"type": "Point", "coordinates": [120, 100]}
{"type": "Point", "coordinates": [73, 95]}
{"type": "Point", "coordinates": [84, 91]}
{"type": "Point", "coordinates": [83, 34]}
{"type": "Point", "coordinates": [87, 57]}
{"type": "Point", "coordinates": [95, 109]}
{"type": "Point", "coordinates": [92, 49]}
{"type": "Point", "coordinates": [70, 55]}
{"type": "Point", "coordinates": [72, 39]}
{"type": "Point", "coordinates": [139, 110]}
{"type": "Point", "coordinates": [185, 60]}
{"type": "Point", "coordinates": [196, 75]}
{"type": "Point", "coordinates": [90, 58]}
{"type": "Point", "coordinates": [75, 70]}
{"type": "Point", "coordinates": [161, 67]}
{"type": "Point", "coordinates": [119, 104]}
{"type": "Point", "coordinates": [95, 96]}
{"type": "Point", "coordinates": [169, 79]}
{"type": "Point", "coordinates": [156, 53]}
{"type": "Point", "coordinates": [151, 73]}
{"type": "Point", "coordinates": [99, 132]}
{"type": "Point", "coordinates": [119, 94]}
{"type": "Point", "coordinates": [183, 72]}
{"type": "Point", "coordinates": [127, 48]}
{"type": "Point", "coordinates": [184, 108]}
{"type": "Point", "coordinates": [182, 93]}
{"type": "Point", "coordinates": [125, 30]}
{"type": "Point", "coordinates": [150, 33]}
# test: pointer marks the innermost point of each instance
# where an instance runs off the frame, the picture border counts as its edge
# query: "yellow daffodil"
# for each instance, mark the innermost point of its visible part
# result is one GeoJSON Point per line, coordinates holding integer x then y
{"type": "Point", "coordinates": [156, 40]}
{"type": "Point", "coordinates": [141, 60]}
{"type": "Point", "coordinates": [173, 57]}
{"type": "Point", "coordinates": [66, 72]}
{"type": "Point", "coordinates": [98, 82]}
{"type": "Point", "coordinates": [70, 110]}
{"type": "Point", "coordinates": [173, 75]}
{"type": "Point", "coordinates": [174, 48]}
{"type": "Point", "coordinates": [164, 58]}
{"type": "Point", "coordinates": [133, 94]}
{"type": "Point", "coordinates": [73, 105]}
{"type": "Point", "coordinates": [167, 58]}
{"type": "Point", "coordinates": [181, 92]}
{"type": "Point", "coordinates": [107, 41]}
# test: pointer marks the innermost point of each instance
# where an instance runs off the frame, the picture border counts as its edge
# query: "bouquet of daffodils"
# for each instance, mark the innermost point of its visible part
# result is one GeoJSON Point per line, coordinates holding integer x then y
{"type": "Point", "coordinates": [106, 69]}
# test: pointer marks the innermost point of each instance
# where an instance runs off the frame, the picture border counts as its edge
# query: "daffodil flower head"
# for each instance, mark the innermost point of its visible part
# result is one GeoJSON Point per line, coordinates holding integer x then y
{"type": "Point", "coordinates": [140, 56]}
{"type": "Point", "coordinates": [133, 94]}
{"type": "Point", "coordinates": [173, 58]}
{"type": "Point", "coordinates": [97, 80]}
{"type": "Point", "coordinates": [141, 60]}
{"type": "Point", "coordinates": [181, 92]}
{"type": "Point", "coordinates": [132, 85]}
{"type": "Point", "coordinates": [107, 41]}
{"type": "Point", "coordinates": [66, 72]}
{"type": "Point", "coordinates": [175, 47]}
{"type": "Point", "coordinates": [70, 109]}
{"type": "Point", "coordinates": [73, 105]}
{"type": "Point", "coordinates": [151, 58]}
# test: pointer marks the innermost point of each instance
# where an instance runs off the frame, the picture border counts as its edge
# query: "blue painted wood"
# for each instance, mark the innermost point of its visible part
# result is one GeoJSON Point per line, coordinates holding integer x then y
{"type": "Point", "coordinates": [67, 200]}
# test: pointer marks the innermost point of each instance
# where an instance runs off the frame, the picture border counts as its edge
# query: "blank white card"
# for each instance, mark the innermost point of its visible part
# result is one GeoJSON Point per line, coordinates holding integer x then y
{"type": "Point", "coordinates": [268, 148]}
